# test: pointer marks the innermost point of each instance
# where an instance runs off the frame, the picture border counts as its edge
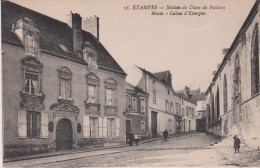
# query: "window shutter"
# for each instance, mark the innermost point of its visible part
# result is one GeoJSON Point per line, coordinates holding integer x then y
{"type": "Point", "coordinates": [22, 124]}
{"type": "Point", "coordinates": [86, 128]}
{"type": "Point", "coordinates": [44, 126]}
{"type": "Point", "coordinates": [105, 127]}
{"type": "Point", "coordinates": [117, 126]}
{"type": "Point", "coordinates": [100, 127]}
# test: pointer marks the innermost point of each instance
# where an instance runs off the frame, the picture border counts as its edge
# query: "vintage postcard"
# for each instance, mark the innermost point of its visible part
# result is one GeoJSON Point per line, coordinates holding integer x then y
{"type": "Point", "coordinates": [130, 83]}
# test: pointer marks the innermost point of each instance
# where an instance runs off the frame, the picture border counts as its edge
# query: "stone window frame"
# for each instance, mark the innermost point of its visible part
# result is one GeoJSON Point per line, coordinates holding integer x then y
{"type": "Point", "coordinates": [64, 73]}
{"type": "Point", "coordinates": [92, 79]}
{"type": "Point", "coordinates": [24, 27]}
{"type": "Point", "coordinates": [255, 62]}
{"type": "Point", "coordinates": [33, 66]}
{"type": "Point", "coordinates": [111, 84]}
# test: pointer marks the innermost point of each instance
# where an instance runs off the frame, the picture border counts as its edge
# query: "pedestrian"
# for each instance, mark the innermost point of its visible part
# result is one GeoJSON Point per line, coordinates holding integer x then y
{"type": "Point", "coordinates": [131, 138]}
{"type": "Point", "coordinates": [136, 139]}
{"type": "Point", "coordinates": [165, 135]}
{"type": "Point", "coordinates": [236, 143]}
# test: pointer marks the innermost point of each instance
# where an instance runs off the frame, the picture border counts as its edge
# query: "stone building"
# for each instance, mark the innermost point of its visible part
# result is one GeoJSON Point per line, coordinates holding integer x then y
{"type": "Point", "coordinates": [233, 96]}
{"type": "Point", "coordinates": [188, 109]}
{"type": "Point", "coordinates": [200, 115]}
{"type": "Point", "coordinates": [136, 111]}
{"type": "Point", "coordinates": [61, 88]}
{"type": "Point", "coordinates": [164, 105]}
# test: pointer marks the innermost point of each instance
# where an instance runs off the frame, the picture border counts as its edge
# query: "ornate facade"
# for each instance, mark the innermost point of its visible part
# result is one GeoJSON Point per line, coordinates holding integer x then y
{"type": "Point", "coordinates": [61, 88]}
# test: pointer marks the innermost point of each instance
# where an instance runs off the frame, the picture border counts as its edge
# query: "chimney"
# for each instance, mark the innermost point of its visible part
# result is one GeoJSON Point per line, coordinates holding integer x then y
{"type": "Point", "coordinates": [75, 22]}
{"type": "Point", "coordinates": [91, 25]}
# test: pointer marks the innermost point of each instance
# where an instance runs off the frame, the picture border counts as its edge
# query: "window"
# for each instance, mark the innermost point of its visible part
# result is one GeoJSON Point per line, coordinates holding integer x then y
{"type": "Point", "coordinates": [92, 98]}
{"type": "Point", "coordinates": [92, 88]}
{"type": "Point", "coordinates": [31, 83]}
{"type": "Point", "coordinates": [109, 97]}
{"type": "Point", "coordinates": [90, 56]}
{"type": "Point", "coordinates": [154, 96]}
{"type": "Point", "coordinates": [183, 113]}
{"type": "Point", "coordinates": [33, 124]}
{"type": "Point", "coordinates": [65, 76]}
{"type": "Point", "coordinates": [217, 103]}
{"type": "Point", "coordinates": [111, 88]}
{"type": "Point", "coordinates": [30, 43]}
{"type": "Point", "coordinates": [143, 105]}
{"type": "Point", "coordinates": [187, 111]}
{"type": "Point", "coordinates": [128, 103]}
{"type": "Point", "coordinates": [171, 107]}
{"type": "Point", "coordinates": [255, 62]}
{"type": "Point", "coordinates": [167, 105]}
{"type": "Point", "coordinates": [93, 127]}
{"type": "Point", "coordinates": [224, 95]}
{"type": "Point", "coordinates": [192, 112]}
{"type": "Point", "coordinates": [111, 127]}
{"type": "Point", "coordinates": [64, 88]}
{"type": "Point", "coordinates": [134, 104]}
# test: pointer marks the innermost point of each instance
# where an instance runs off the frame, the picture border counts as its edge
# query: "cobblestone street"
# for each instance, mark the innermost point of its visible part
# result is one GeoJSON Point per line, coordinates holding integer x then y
{"type": "Point", "coordinates": [187, 150]}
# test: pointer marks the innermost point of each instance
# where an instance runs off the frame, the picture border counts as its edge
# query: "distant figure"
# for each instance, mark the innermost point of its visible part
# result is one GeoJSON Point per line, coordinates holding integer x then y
{"type": "Point", "coordinates": [165, 135]}
{"type": "Point", "coordinates": [136, 139]}
{"type": "Point", "coordinates": [236, 143]}
{"type": "Point", "coordinates": [131, 138]}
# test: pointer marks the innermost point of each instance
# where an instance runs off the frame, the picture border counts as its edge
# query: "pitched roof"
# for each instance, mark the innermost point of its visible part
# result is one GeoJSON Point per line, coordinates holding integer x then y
{"type": "Point", "coordinates": [165, 77]}
{"type": "Point", "coordinates": [53, 33]}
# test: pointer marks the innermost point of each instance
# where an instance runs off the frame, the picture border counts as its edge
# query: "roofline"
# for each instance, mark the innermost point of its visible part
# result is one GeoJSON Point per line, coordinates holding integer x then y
{"type": "Point", "coordinates": [61, 56]}
{"type": "Point", "coordinates": [154, 77]}
{"type": "Point", "coordinates": [242, 30]}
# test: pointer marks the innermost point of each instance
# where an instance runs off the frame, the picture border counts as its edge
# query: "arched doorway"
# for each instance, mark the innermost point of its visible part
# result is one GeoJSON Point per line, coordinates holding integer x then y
{"type": "Point", "coordinates": [64, 135]}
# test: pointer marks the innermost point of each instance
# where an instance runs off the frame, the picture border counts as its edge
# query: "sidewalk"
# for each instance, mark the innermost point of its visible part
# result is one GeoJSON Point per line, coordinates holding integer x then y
{"type": "Point", "coordinates": [66, 152]}
{"type": "Point", "coordinates": [247, 157]}
{"type": "Point", "coordinates": [107, 146]}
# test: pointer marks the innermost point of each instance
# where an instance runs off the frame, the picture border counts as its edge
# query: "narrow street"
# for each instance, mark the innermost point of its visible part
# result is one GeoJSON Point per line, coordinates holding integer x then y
{"type": "Point", "coordinates": [186, 150]}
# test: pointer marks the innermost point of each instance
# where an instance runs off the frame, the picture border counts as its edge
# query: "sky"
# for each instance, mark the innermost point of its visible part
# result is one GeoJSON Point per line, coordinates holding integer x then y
{"type": "Point", "coordinates": [190, 46]}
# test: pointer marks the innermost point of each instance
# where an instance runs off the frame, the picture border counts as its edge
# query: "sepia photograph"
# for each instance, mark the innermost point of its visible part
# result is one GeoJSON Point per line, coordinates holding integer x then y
{"type": "Point", "coordinates": [130, 83]}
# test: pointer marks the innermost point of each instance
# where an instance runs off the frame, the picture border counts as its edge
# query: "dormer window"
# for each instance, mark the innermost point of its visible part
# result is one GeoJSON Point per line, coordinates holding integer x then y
{"type": "Point", "coordinates": [28, 33]}
{"type": "Point", "coordinates": [90, 56]}
{"type": "Point", "coordinates": [30, 43]}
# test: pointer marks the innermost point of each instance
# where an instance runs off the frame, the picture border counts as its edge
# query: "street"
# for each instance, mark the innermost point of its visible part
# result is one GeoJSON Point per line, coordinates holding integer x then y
{"type": "Point", "coordinates": [187, 150]}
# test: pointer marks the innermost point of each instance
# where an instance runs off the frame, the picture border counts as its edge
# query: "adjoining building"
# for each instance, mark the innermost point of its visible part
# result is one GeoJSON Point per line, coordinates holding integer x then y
{"type": "Point", "coordinates": [233, 96]}
{"type": "Point", "coordinates": [201, 110]}
{"type": "Point", "coordinates": [164, 105]}
{"type": "Point", "coordinates": [136, 112]}
{"type": "Point", "coordinates": [61, 88]}
{"type": "Point", "coordinates": [188, 109]}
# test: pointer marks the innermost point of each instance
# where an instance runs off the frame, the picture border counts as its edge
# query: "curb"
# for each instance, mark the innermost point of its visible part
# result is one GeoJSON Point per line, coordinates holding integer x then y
{"type": "Point", "coordinates": [58, 154]}
{"type": "Point", "coordinates": [28, 157]}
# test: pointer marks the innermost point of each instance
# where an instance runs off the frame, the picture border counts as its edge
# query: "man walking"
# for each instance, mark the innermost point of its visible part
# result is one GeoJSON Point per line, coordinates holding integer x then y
{"type": "Point", "coordinates": [236, 143]}
{"type": "Point", "coordinates": [165, 135]}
